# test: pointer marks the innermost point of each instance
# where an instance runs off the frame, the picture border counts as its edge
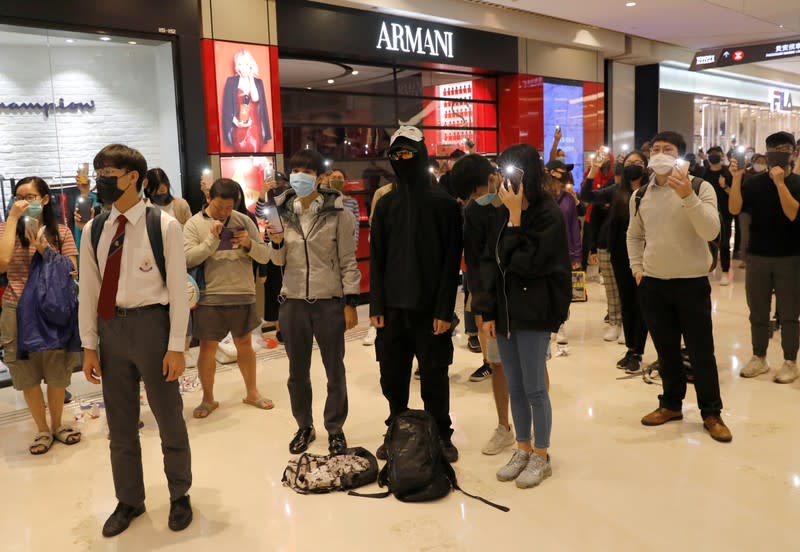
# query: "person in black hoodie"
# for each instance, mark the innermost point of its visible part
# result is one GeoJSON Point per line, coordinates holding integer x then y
{"type": "Point", "coordinates": [415, 243]}
{"type": "Point", "coordinates": [719, 176]}
{"type": "Point", "coordinates": [526, 293]}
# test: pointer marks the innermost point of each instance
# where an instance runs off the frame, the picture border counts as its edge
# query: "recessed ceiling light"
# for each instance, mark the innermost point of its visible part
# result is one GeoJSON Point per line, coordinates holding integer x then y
{"type": "Point", "coordinates": [354, 73]}
{"type": "Point", "coordinates": [308, 88]}
{"type": "Point", "coordinates": [105, 38]}
{"type": "Point", "coordinates": [331, 81]}
{"type": "Point", "coordinates": [781, 26]}
{"type": "Point", "coordinates": [630, 4]}
{"type": "Point", "coordinates": [132, 42]}
{"type": "Point", "coordinates": [70, 41]}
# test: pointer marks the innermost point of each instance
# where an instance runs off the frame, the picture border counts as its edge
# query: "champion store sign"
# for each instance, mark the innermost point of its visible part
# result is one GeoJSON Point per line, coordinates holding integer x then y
{"type": "Point", "coordinates": [46, 107]}
{"type": "Point", "coordinates": [411, 39]}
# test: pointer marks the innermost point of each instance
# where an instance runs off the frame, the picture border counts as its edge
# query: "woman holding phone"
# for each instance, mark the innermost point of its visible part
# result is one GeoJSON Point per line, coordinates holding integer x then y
{"type": "Point", "coordinates": [527, 271]}
{"type": "Point", "coordinates": [31, 229]}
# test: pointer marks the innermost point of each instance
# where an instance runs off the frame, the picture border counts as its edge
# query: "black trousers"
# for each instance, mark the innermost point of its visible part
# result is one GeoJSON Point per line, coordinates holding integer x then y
{"type": "Point", "coordinates": [633, 323]}
{"type": "Point", "coordinates": [133, 348]}
{"type": "Point", "coordinates": [302, 322]}
{"type": "Point", "coordinates": [407, 334]}
{"type": "Point", "coordinates": [724, 243]}
{"type": "Point", "coordinates": [678, 307]}
{"type": "Point", "coordinates": [782, 274]}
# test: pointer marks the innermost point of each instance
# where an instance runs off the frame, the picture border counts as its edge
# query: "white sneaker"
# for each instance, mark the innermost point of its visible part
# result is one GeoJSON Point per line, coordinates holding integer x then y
{"type": "Point", "coordinates": [501, 438]}
{"type": "Point", "coordinates": [755, 367]}
{"type": "Point", "coordinates": [612, 333]}
{"type": "Point", "coordinates": [190, 359]}
{"type": "Point", "coordinates": [787, 373]}
{"type": "Point", "coordinates": [561, 336]}
{"type": "Point", "coordinates": [518, 462]}
{"type": "Point", "coordinates": [535, 472]}
{"type": "Point", "coordinates": [369, 339]}
{"type": "Point", "coordinates": [724, 281]}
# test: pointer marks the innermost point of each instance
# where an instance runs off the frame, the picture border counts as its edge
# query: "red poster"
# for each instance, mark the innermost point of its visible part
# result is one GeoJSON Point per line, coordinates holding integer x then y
{"type": "Point", "coordinates": [239, 81]}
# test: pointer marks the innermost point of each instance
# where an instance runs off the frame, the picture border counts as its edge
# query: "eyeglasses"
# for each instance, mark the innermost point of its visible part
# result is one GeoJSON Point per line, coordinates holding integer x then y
{"type": "Point", "coordinates": [403, 155]}
{"type": "Point", "coordinates": [29, 197]}
{"type": "Point", "coordinates": [635, 162]}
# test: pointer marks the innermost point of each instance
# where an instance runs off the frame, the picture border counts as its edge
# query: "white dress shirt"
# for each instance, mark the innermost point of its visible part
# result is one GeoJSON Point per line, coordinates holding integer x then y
{"type": "Point", "coordinates": [140, 282]}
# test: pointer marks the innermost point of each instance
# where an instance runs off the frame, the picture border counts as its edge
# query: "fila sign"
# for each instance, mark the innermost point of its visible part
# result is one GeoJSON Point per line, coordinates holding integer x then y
{"type": "Point", "coordinates": [780, 100]}
{"type": "Point", "coordinates": [417, 40]}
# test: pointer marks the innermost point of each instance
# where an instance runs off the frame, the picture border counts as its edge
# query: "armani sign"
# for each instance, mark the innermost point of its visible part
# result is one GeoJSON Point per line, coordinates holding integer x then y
{"type": "Point", "coordinates": [395, 37]}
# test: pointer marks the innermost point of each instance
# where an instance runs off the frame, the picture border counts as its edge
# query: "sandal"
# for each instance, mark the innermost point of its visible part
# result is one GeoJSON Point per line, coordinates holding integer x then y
{"type": "Point", "coordinates": [42, 439]}
{"type": "Point", "coordinates": [67, 435]}
{"type": "Point", "coordinates": [261, 403]}
{"type": "Point", "coordinates": [205, 409]}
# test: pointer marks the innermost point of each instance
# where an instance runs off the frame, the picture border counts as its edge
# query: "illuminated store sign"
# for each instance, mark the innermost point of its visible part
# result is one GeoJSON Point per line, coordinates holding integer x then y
{"type": "Point", "coordinates": [780, 100]}
{"type": "Point", "coordinates": [418, 40]}
{"type": "Point", "coordinates": [727, 56]}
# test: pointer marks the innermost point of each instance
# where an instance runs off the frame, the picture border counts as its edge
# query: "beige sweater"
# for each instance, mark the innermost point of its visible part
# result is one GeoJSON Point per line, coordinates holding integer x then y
{"type": "Point", "coordinates": [228, 274]}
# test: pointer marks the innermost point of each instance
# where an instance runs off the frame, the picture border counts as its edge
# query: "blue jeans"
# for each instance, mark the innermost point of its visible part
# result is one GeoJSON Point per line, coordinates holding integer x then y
{"type": "Point", "coordinates": [524, 364]}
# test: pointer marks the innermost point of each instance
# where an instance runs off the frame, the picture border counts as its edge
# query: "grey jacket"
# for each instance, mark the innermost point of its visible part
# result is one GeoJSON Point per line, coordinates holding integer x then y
{"type": "Point", "coordinates": [322, 264]}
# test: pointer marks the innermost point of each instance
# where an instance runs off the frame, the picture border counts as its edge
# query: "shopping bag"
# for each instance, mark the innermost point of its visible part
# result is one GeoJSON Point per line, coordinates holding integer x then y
{"type": "Point", "coordinates": [579, 293]}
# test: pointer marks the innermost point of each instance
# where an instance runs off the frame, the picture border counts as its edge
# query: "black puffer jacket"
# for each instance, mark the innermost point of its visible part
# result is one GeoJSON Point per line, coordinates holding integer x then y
{"type": "Point", "coordinates": [526, 271]}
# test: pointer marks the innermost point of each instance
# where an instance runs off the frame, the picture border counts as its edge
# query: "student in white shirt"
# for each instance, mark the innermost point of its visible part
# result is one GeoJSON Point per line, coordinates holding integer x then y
{"type": "Point", "coordinates": [133, 324]}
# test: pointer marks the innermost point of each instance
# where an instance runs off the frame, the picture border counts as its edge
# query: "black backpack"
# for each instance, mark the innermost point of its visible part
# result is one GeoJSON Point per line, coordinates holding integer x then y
{"type": "Point", "coordinates": [416, 470]}
{"type": "Point", "coordinates": [153, 221]}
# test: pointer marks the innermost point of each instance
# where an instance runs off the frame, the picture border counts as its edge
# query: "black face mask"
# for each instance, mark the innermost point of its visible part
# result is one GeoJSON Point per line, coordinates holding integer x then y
{"type": "Point", "coordinates": [778, 158]}
{"type": "Point", "coordinates": [107, 189]}
{"type": "Point", "coordinates": [633, 172]}
{"type": "Point", "coordinates": [161, 199]}
{"type": "Point", "coordinates": [714, 158]}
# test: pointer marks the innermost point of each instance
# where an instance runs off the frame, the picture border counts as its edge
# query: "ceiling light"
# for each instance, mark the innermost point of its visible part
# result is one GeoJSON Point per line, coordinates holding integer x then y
{"type": "Point", "coordinates": [781, 26]}
{"type": "Point", "coordinates": [630, 4]}
{"type": "Point", "coordinates": [331, 81]}
{"type": "Point", "coordinates": [105, 38]}
{"type": "Point", "coordinates": [70, 41]}
{"type": "Point", "coordinates": [354, 73]}
{"type": "Point", "coordinates": [308, 88]}
{"type": "Point", "coordinates": [132, 42]}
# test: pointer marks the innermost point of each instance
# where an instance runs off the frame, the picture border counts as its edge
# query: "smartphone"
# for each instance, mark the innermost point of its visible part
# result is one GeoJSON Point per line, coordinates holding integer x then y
{"type": "Point", "coordinates": [84, 206]}
{"type": "Point", "coordinates": [682, 165]}
{"type": "Point", "coordinates": [558, 128]}
{"type": "Point", "coordinates": [31, 225]}
{"type": "Point", "coordinates": [274, 218]}
{"type": "Point", "coordinates": [740, 159]}
{"type": "Point", "coordinates": [226, 237]}
{"type": "Point", "coordinates": [514, 176]}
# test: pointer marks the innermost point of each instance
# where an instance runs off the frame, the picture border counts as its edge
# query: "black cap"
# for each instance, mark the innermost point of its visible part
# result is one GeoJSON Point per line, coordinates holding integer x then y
{"type": "Point", "coordinates": [559, 165]}
{"type": "Point", "coordinates": [780, 138]}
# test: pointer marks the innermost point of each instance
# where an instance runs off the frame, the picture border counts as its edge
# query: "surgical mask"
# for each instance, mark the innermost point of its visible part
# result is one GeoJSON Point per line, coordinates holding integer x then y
{"type": "Point", "coordinates": [107, 189]}
{"type": "Point", "coordinates": [778, 158]}
{"type": "Point", "coordinates": [633, 172]}
{"type": "Point", "coordinates": [661, 163]}
{"type": "Point", "coordinates": [486, 199]}
{"type": "Point", "coordinates": [34, 209]}
{"type": "Point", "coordinates": [714, 158]}
{"type": "Point", "coordinates": [337, 183]}
{"type": "Point", "coordinates": [302, 183]}
{"type": "Point", "coordinates": [161, 199]}
{"type": "Point", "coordinates": [759, 167]}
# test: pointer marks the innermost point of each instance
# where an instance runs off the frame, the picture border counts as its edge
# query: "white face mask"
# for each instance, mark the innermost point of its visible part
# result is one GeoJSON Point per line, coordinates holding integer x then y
{"type": "Point", "coordinates": [661, 163]}
{"type": "Point", "coordinates": [759, 167]}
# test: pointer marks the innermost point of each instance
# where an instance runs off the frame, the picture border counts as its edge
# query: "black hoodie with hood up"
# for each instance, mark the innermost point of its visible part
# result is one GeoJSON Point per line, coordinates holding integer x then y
{"type": "Point", "coordinates": [416, 242]}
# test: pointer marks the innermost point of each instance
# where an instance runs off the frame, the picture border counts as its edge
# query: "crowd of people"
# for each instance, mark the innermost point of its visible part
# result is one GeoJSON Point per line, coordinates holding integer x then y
{"type": "Point", "coordinates": [655, 221]}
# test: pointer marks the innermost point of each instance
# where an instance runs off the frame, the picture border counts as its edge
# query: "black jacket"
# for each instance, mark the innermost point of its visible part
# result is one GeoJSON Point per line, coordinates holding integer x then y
{"type": "Point", "coordinates": [415, 243]}
{"type": "Point", "coordinates": [477, 221]}
{"type": "Point", "coordinates": [526, 271]}
{"type": "Point", "coordinates": [601, 198]}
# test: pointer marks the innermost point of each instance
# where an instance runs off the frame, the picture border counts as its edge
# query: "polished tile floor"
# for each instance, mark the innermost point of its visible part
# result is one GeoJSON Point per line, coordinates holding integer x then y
{"type": "Point", "coordinates": [616, 485]}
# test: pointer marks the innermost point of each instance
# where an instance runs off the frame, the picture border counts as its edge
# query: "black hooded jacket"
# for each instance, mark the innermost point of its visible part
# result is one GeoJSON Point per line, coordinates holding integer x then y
{"type": "Point", "coordinates": [416, 240]}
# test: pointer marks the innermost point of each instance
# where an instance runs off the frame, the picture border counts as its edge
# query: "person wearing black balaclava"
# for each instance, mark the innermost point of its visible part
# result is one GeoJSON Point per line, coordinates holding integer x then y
{"type": "Point", "coordinates": [772, 200]}
{"type": "Point", "coordinates": [416, 244]}
{"type": "Point", "coordinates": [718, 175]}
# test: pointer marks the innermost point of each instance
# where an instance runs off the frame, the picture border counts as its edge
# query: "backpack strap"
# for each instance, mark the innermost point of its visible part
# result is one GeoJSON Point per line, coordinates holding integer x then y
{"type": "Point", "coordinates": [153, 218]}
{"type": "Point", "coordinates": [638, 197]}
{"type": "Point", "coordinates": [369, 495]}
{"type": "Point", "coordinates": [696, 183]}
{"type": "Point", "coordinates": [153, 221]}
{"type": "Point", "coordinates": [451, 475]}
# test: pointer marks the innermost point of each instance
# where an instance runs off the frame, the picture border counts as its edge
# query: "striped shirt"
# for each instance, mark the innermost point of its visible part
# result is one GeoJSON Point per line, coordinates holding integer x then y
{"type": "Point", "coordinates": [19, 266]}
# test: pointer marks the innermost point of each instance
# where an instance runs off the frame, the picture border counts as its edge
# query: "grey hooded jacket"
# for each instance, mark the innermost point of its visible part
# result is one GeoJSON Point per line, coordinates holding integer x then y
{"type": "Point", "coordinates": [321, 264]}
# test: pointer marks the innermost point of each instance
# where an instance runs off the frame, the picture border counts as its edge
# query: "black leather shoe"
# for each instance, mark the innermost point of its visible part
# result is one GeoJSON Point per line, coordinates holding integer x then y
{"type": "Point", "coordinates": [337, 444]}
{"type": "Point", "coordinates": [302, 439]}
{"type": "Point", "coordinates": [180, 513]}
{"type": "Point", "coordinates": [121, 519]}
{"type": "Point", "coordinates": [449, 451]}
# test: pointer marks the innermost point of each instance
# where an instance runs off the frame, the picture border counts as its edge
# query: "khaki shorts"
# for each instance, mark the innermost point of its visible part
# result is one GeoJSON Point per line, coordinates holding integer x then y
{"type": "Point", "coordinates": [53, 367]}
{"type": "Point", "coordinates": [213, 322]}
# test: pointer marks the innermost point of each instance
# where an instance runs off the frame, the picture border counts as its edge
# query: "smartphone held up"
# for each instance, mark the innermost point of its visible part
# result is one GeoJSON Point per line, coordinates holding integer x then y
{"type": "Point", "coordinates": [513, 178]}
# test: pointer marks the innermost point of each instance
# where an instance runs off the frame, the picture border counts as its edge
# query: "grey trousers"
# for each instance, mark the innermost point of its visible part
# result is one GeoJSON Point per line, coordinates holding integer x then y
{"type": "Point", "coordinates": [133, 348]}
{"type": "Point", "coordinates": [301, 322]}
{"type": "Point", "coordinates": [781, 274]}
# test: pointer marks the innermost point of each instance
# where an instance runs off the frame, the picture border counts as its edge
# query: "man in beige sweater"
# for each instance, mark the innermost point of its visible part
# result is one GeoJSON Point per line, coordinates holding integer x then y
{"type": "Point", "coordinates": [225, 242]}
